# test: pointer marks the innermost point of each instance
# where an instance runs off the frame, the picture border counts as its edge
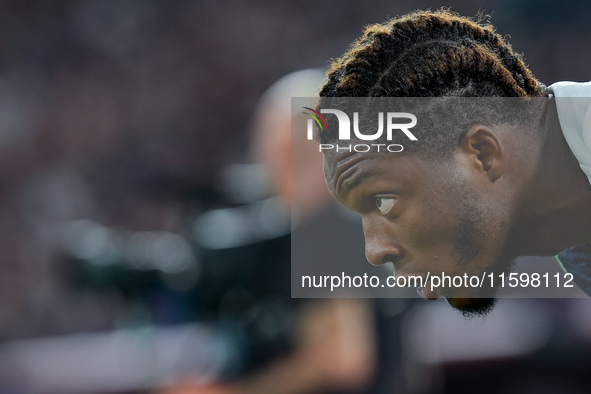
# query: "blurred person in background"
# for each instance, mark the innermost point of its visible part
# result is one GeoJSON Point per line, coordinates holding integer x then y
{"type": "Point", "coordinates": [332, 342]}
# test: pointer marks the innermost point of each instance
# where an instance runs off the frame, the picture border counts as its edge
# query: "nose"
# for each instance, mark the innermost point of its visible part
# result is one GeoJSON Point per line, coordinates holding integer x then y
{"type": "Point", "coordinates": [380, 244]}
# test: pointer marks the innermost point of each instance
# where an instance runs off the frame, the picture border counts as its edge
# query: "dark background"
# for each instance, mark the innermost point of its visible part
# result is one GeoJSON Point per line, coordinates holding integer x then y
{"type": "Point", "coordinates": [126, 112]}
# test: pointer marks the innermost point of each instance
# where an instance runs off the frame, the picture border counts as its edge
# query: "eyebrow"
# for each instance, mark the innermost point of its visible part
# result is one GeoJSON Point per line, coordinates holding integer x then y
{"type": "Point", "coordinates": [352, 181]}
{"type": "Point", "coordinates": [349, 176]}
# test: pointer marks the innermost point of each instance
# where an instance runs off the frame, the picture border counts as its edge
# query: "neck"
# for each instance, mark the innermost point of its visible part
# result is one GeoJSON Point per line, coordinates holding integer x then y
{"type": "Point", "coordinates": [556, 205]}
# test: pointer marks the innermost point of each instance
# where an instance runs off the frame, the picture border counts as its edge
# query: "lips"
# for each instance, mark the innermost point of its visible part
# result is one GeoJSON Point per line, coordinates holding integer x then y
{"type": "Point", "coordinates": [426, 292]}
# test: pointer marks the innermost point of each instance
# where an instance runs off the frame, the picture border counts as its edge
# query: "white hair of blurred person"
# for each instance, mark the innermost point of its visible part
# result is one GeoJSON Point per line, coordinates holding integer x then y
{"type": "Point", "coordinates": [284, 157]}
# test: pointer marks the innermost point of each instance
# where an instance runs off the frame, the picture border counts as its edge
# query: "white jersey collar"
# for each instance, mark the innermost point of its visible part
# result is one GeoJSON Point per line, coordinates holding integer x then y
{"type": "Point", "coordinates": [574, 114]}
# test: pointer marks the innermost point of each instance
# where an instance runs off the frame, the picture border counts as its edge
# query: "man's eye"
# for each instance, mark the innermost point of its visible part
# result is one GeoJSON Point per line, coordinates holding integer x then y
{"type": "Point", "coordinates": [384, 204]}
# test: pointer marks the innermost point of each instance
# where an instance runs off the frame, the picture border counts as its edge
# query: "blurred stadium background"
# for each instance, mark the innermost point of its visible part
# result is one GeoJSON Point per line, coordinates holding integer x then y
{"type": "Point", "coordinates": [121, 124]}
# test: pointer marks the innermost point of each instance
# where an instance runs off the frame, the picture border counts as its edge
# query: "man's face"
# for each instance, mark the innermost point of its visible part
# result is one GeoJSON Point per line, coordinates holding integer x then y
{"type": "Point", "coordinates": [425, 218]}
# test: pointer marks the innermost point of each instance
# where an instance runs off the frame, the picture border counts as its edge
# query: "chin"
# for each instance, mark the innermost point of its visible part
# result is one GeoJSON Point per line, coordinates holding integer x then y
{"type": "Point", "coordinates": [473, 307]}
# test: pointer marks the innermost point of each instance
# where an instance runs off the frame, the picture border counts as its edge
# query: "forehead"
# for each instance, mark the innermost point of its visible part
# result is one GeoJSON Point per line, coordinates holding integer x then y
{"type": "Point", "coordinates": [340, 168]}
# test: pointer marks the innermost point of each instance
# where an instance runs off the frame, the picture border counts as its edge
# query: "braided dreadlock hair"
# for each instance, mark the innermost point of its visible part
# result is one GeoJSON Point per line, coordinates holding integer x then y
{"type": "Point", "coordinates": [431, 54]}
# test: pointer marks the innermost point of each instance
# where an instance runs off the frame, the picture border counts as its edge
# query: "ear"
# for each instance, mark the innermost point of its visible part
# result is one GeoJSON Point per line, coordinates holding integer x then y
{"type": "Point", "coordinates": [482, 150]}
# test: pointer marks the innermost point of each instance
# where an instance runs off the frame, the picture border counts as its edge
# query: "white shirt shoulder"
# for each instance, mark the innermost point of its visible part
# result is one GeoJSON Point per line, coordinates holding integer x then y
{"type": "Point", "coordinates": [573, 103]}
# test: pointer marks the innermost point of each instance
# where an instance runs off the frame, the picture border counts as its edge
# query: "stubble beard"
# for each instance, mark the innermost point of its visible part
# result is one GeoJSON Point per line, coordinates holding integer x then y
{"type": "Point", "coordinates": [473, 214]}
